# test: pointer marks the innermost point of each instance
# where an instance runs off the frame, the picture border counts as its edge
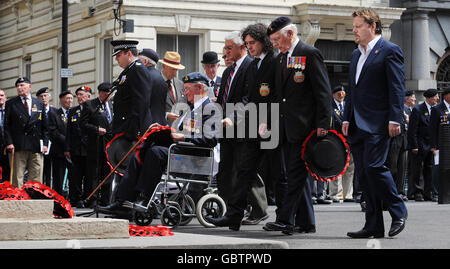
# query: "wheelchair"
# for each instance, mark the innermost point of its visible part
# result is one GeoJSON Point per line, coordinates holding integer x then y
{"type": "Point", "coordinates": [171, 201]}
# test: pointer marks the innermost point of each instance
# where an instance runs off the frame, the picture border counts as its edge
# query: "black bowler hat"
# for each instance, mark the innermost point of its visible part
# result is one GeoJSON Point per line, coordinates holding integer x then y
{"type": "Point", "coordinates": [430, 93]}
{"type": "Point", "coordinates": [22, 79]}
{"type": "Point", "coordinates": [278, 24]}
{"type": "Point", "coordinates": [195, 77]}
{"type": "Point", "coordinates": [327, 157]}
{"type": "Point", "coordinates": [151, 54]}
{"type": "Point", "coordinates": [42, 90]}
{"type": "Point", "coordinates": [119, 45]}
{"type": "Point", "coordinates": [104, 87]}
{"type": "Point", "coordinates": [64, 93]}
{"type": "Point", "coordinates": [210, 57]}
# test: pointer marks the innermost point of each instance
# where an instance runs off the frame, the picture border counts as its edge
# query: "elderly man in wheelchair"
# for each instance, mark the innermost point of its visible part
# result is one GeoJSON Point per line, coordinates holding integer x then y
{"type": "Point", "coordinates": [196, 125]}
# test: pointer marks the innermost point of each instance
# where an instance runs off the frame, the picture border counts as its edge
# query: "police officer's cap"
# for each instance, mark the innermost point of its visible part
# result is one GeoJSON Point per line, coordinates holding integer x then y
{"type": "Point", "coordinates": [84, 88]}
{"type": "Point", "coordinates": [195, 77]}
{"type": "Point", "coordinates": [21, 80]}
{"type": "Point", "coordinates": [278, 24]}
{"type": "Point", "coordinates": [119, 45]}
{"type": "Point", "coordinates": [430, 93]}
{"type": "Point", "coordinates": [104, 87]}
{"type": "Point", "coordinates": [64, 93]}
{"type": "Point", "coordinates": [42, 90]}
{"type": "Point", "coordinates": [151, 54]}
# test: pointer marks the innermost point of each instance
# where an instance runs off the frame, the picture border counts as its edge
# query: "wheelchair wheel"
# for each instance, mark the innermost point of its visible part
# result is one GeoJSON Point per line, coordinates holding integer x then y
{"type": "Point", "coordinates": [210, 205]}
{"type": "Point", "coordinates": [171, 216]}
{"type": "Point", "coordinates": [186, 205]}
{"type": "Point", "coordinates": [144, 218]}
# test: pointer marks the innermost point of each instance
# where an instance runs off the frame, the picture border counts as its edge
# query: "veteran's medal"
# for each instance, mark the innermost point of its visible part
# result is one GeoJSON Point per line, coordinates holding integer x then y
{"type": "Point", "coordinates": [264, 89]}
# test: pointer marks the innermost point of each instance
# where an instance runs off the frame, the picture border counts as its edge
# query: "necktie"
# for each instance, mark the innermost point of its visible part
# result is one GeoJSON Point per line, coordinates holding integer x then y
{"type": "Point", "coordinates": [341, 109]}
{"type": "Point", "coordinates": [284, 65]}
{"type": "Point", "coordinates": [227, 86]}
{"type": "Point", "coordinates": [255, 65]}
{"type": "Point", "coordinates": [212, 83]}
{"type": "Point", "coordinates": [108, 116]}
{"type": "Point", "coordinates": [25, 103]}
{"type": "Point", "coordinates": [169, 85]}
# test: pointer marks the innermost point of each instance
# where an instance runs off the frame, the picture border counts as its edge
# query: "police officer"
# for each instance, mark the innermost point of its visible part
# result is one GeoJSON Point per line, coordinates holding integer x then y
{"type": "Point", "coordinates": [25, 127]}
{"type": "Point", "coordinates": [96, 119]}
{"type": "Point", "coordinates": [57, 125]}
{"type": "Point", "coordinates": [75, 149]}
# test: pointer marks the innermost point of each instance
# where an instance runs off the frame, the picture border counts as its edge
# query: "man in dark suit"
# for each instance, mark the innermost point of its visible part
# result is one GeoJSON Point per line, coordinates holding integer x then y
{"type": "Point", "coordinates": [145, 170]}
{"type": "Point", "coordinates": [44, 95]}
{"type": "Point", "coordinates": [132, 111]}
{"type": "Point", "coordinates": [305, 105]}
{"type": "Point", "coordinates": [57, 126]}
{"type": "Point", "coordinates": [373, 114]}
{"type": "Point", "coordinates": [438, 114]}
{"type": "Point", "coordinates": [259, 89]}
{"type": "Point", "coordinates": [232, 90]}
{"type": "Point", "coordinates": [4, 161]}
{"type": "Point", "coordinates": [419, 143]}
{"type": "Point", "coordinates": [171, 63]}
{"type": "Point", "coordinates": [96, 118]}
{"type": "Point", "coordinates": [26, 133]}
{"type": "Point", "coordinates": [410, 102]}
{"type": "Point", "coordinates": [75, 149]}
{"type": "Point", "coordinates": [211, 63]}
{"type": "Point", "coordinates": [149, 57]}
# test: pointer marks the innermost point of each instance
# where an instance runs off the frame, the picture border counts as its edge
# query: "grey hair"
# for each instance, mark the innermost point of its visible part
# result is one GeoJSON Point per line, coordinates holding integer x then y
{"type": "Point", "coordinates": [152, 63]}
{"type": "Point", "coordinates": [286, 28]}
{"type": "Point", "coordinates": [235, 36]}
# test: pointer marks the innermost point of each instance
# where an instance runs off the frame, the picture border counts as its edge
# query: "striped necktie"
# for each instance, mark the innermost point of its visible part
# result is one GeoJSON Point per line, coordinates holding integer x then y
{"type": "Point", "coordinates": [228, 85]}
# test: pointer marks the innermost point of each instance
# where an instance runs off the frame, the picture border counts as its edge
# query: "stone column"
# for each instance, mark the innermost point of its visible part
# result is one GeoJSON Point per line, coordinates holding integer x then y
{"type": "Point", "coordinates": [407, 42]}
{"type": "Point", "coordinates": [420, 68]}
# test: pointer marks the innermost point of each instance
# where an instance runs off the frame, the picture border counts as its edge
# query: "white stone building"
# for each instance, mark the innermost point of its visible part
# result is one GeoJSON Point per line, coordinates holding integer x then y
{"type": "Point", "coordinates": [30, 33]}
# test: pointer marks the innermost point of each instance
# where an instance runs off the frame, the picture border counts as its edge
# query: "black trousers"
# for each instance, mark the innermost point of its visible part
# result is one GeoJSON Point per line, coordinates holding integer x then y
{"type": "Point", "coordinates": [230, 154]}
{"type": "Point", "coordinates": [59, 166]}
{"type": "Point", "coordinates": [421, 172]}
{"type": "Point", "coordinates": [78, 179]}
{"type": "Point", "coordinates": [396, 161]}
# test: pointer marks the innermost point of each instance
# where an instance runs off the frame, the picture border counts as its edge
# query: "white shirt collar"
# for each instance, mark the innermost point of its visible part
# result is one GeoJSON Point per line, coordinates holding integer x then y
{"type": "Point", "coordinates": [199, 102]}
{"type": "Point", "coordinates": [239, 62]}
{"type": "Point", "coordinates": [291, 49]}
{"type": "Point", "coordinates": [428, 106]}
{"type": "Point", "coordinates": [370, 45]}
{"type": "Point", "coordinates": [447, 104]}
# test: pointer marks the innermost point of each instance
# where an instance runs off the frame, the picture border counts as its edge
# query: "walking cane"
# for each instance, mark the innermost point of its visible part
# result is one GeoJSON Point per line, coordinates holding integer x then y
{"type": "Point", "coordinates": [12, 168]}
{"type": "Point", "coordinates": [120, 162]}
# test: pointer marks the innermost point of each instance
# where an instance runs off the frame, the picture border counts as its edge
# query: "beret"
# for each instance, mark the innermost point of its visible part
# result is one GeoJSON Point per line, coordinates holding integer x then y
{"type": "Point", "coordinates": [195, 77]}
{"type": "Point", "coordinates": [278, 24]}
{"type": "Point", "coordinates": [104, 87]}
{"type": "Point", "coordinates": [430, 93]}
{"type": "Point", "coordinates": [338, 89]}
{"type": "Point", "coordinates": [22, 79]}
{"type": "Point", "coordinates": [42, 90]}
{"type": "Point", "coordinates": [84, 88]}
{"type": "Point", "coordinates": [64, 93]}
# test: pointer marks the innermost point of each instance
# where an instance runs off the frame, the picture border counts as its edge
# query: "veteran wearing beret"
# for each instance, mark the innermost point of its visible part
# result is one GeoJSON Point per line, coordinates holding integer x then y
{"type": "Point", "coordinates": [146, 168]}
{"type": "Point", "coordinates": [25, 127]}
{"type": "Point", "coordinates": [419, 143]}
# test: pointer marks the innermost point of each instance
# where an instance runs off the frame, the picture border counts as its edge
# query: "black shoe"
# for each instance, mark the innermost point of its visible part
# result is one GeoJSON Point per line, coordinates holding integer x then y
{"type": "Point", "coordinates": [398, 225]}
{"type": "Point", "coordinates": [225, 221]}
{"type": "Point", "coordinates": [322, 201]}
{"type": "Point", "coordinates": [305, 229]}
{"type": "Point", "coordinates": [113, 208]}
{"type": "Point", "coordinates": [254, 221]}
{"type": "Point", "coordinates": [419, 197]}
{"type": "Point", "coordinates": [365, 234]}
{"type": "Point", "coordinates": [363, 206]}
{"type": "Point", "coordinates": [347, 200]}
{"type": "Point", "coordinates": [278, 226]}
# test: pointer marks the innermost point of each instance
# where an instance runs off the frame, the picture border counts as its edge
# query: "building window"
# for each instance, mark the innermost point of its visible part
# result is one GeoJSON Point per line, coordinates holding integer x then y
{"type": "Point", "coordinates": [186, 45]}
{"type": "Point", "coordinates": [107, 72]}
{"type": "Point", "coordinates": [27, 67]}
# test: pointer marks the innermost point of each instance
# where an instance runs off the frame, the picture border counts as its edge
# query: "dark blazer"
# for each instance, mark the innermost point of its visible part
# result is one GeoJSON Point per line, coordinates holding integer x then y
{"type": "Point", "coordinates": [338, 117]}
{"type": "Point", "coordinates": [159, 97]}
{"type": "Point", "coordinates": [306, 105]}
{"type": "Point", "coordinates": [92, 117]}
{"type": "Point", "coordinates": [23, 130]}
{"type": "Point", "coordinates": [435, 122]}
{"type": "Point", "coordinates": [419, 135]}
{"type": "Point", "coordinates": [57, 125]}
{"type": "Point", "coordinates": [378, 96]}
{"type": "Point", "coordinates": [132, 113]}
{"type": "Point", "coordinates": [76, 138]}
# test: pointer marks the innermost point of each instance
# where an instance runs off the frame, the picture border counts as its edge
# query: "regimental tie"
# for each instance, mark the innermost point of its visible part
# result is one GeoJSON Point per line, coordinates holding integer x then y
{"type": "Point", "coordinates": [25, 103]}
{"type": "Point", "coordinates": [227, 86]}
{"type": "Point", "coordinates": [172, 93]}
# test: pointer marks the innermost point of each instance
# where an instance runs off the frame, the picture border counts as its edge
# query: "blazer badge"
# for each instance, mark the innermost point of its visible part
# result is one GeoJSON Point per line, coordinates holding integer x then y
{"type": "Point", "coordinates": [264, 89]}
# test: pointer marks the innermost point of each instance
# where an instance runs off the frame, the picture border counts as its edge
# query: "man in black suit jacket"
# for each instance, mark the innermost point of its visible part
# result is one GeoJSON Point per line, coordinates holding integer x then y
{"type": "Point", "coordinates": [4, 161]}
{"type": "Point", "coordinates": [57, 126]}
{"type": "Point", "coordinates": [96, 120]}
{"type": "Point", "coordinates": [145, 170]}
{"type": "Point", "coordinates": [75, 149]}
{"type": "Point", "coordinates": [232, 90]}
{"type": "Point", "coordinates": [305, 105]}
{"type": "Point", "coordinates": [25, 130]}
{"type": "Point", "coordinates": [419, 143]}
{"type": "Point", "coordinates": [438, 113]}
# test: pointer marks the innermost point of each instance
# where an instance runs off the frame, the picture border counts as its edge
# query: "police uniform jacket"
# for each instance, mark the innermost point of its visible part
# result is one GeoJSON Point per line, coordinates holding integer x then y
{"type": "Point", "coordinates": [76, 137]}
{"type": "Point", "coordinates": [57, 124]}
{"type": "Point", "coordinates": [132, 114]}
{"type": "Point", "coordinates": [23, 130]}
{"type": "Point", "coordinates": [305, 101]}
